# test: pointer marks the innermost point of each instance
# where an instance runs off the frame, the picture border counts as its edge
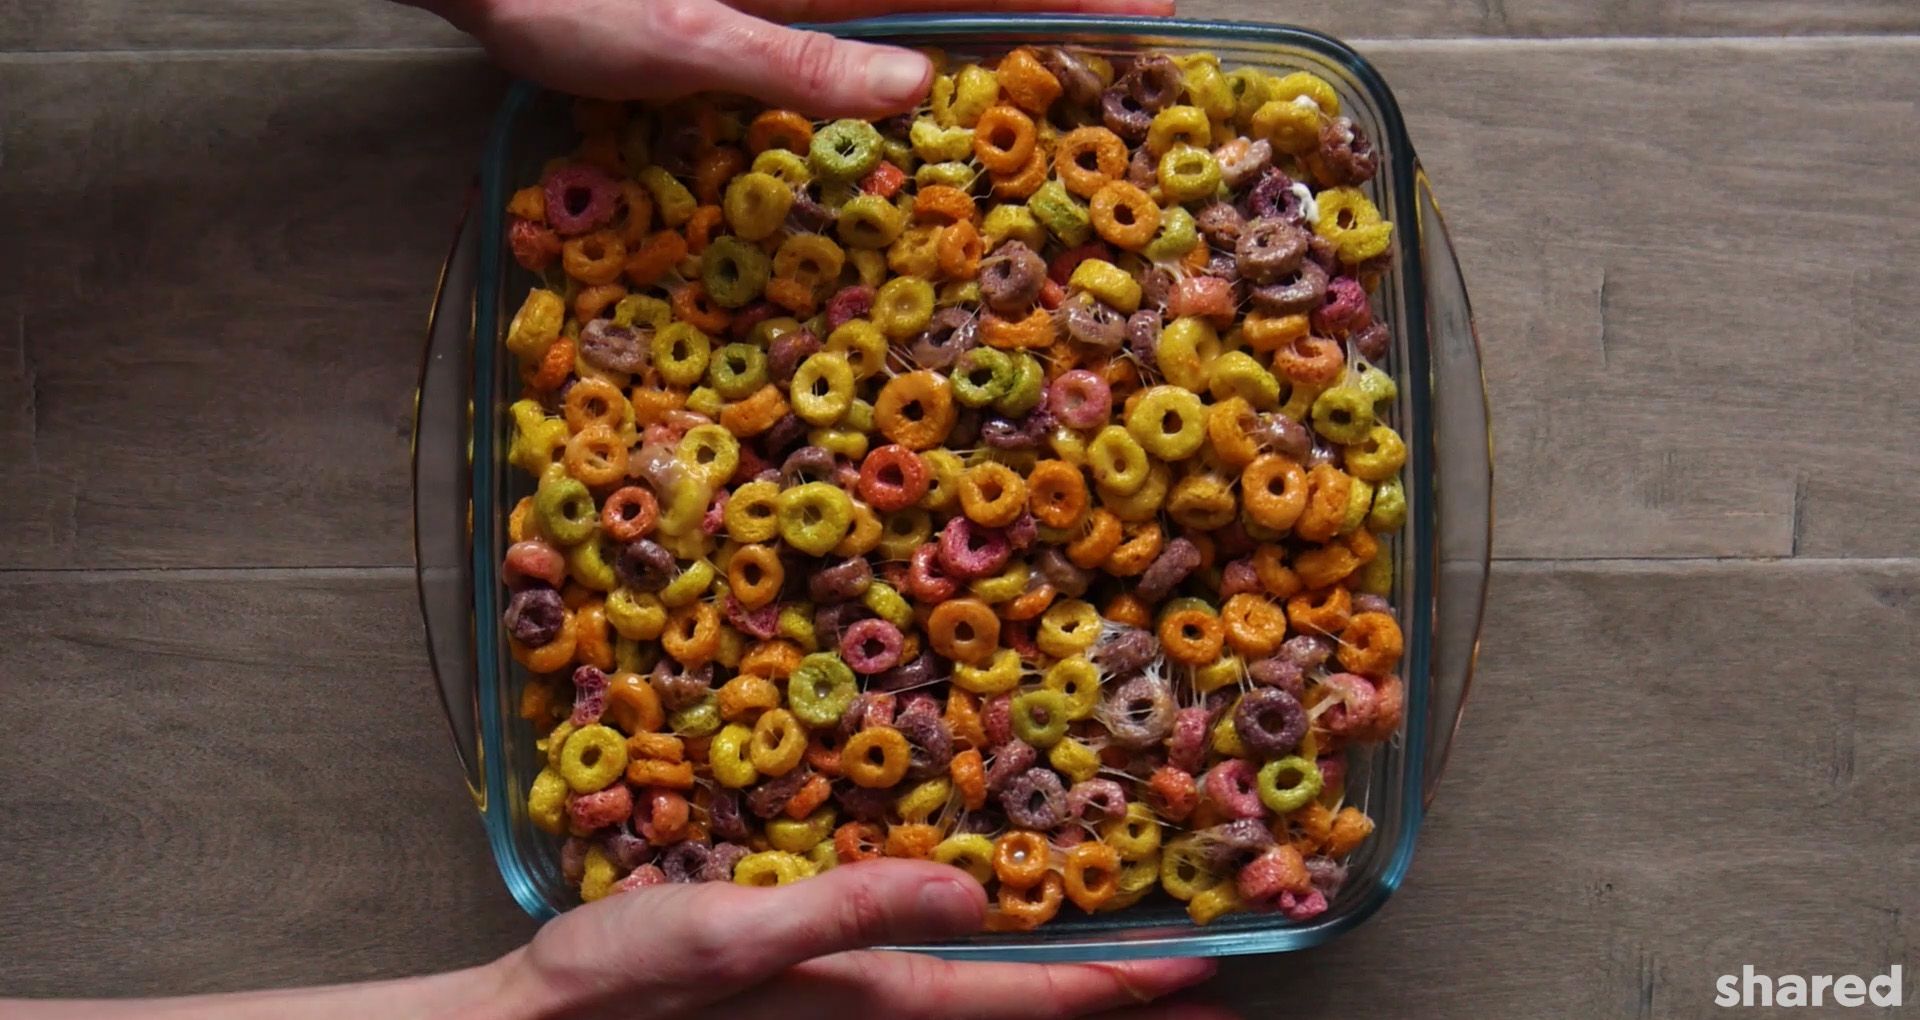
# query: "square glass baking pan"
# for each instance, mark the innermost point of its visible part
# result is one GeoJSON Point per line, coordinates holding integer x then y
{"type": "Point", "coordinates": [463, 490]}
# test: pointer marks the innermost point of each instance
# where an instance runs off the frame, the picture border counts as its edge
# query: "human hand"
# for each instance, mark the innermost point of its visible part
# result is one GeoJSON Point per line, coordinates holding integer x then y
{"type": "Point", "coordinates": [721, 950]}
{"type": "Point", "coordinates": [655, 49]}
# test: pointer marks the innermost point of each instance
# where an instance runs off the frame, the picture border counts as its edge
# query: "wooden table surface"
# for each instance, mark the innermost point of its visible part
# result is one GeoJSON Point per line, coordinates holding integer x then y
{"type": "Point", "coordinates": [1692, 233]}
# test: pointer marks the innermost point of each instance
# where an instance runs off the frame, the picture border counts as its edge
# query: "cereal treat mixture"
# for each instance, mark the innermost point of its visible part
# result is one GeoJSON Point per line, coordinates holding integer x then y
{"type": "Point", "coordinates": [1001, 485]}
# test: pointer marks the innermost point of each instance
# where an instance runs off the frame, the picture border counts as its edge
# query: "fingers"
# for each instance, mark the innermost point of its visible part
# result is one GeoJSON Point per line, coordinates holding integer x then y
{"type": "Point", "coordinates": [912, 986]}
{"type": "Point", "coordinates": [840, 10]}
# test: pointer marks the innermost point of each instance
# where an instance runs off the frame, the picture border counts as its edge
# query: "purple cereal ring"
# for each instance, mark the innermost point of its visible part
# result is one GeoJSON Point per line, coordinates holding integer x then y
{"type": "Point", "coordinates": [1238, 578]}
{"type": "Point", "coordinates": [1178, 559]}
{"type": "Point", "coordinates": [1023, 532]}
{"type": "Point", "coordinates": [1122, 115]}
{"type": "Point", "coordinates": [589, 696]}
{"type": "Point", "coordinates": [996, 718]}
{"type": "Point", "coordinates": [1309, 650]}
{"type": "Point", "coordinates": [1143, 338]}
{"type": "Point", "coordinates": [1080, 399]}
{"type": "Point", "coordinates": [1003, 433]}
{"type": "Point", "coordinates": [1187, 747]}
{"type": "Point", "coordinates": [1156, 288]}
{"type": "Point", "coordinates": [1220, 223]}
{"type": "Point", "coordinates": [1277, 433]}
{"type": "Point", "coordinates": [1094, 323]}
{"type": "Point", "coordinates": [1371, 604]}
{"type": "Point", "coordinates": [626, 848]}
{"type": "Point", "coordinates": [615, 348]}
{"type": "Point", "coordinates": [590, 811]}
{"type": "Point", "coordinates": [1346, 309]}
{"type": "Point", "coordinates": [1347, 153]}
{"type": "Point", "coordinates": [1231, 787]}
{"type": "Point", "coordinates": [1300, 290]}
{"type": "Point", "coordinates": [1068, 834]}
{"type": "Point", "coordinates": [1273, 195]}
{"type": "Point", "coordinates": [573, 858]}
{"type": "Point", "coordinates": [1067, 578]}
{"type": "Point", "coordinates": [871, 646]}
{"type": "Point", "coordinates": [1372, 342]}
{"type": "Point", "coordinates": [969, 550]}
{"type": "Point", "coordinates": [1125, 650]}
{"type": "Point", "coordinates": [1270, 722]}
{"type": "Point", "coordinates": [720, 862]}
{"type": "Point", "coordinates": [1035, 799]}
{"type": "Point", "coordinates": [808, 464]}
{"type": "Point", "coordinates": [1326, 874]}
{"type": "Point", "coordinates": [924, 669]}
{"type": "Point", "coordinates": [644, 565]}
{"type": "Point", "coordinates": [1079, 83]}
{"type": "Point", "coordinates": [869, 709]}
{"type": "Point", "coordinates": [1280, 673]}
{"type": "Point", "coordinates": [808, 216]}
{"type": "Point", "coordinates": [1140, 713]}
{"type": "Point", "coordinates": [951, 332]}
{"type": "Point", "coordinates": [1008, 760]}
{"type": "Point", "coordinates": [787, 351]}
{"type": "Point", "coordinates": [929, 741]}
{"type": "Point", "coordinates": [724, 815]}
{"type": "Point", "coordinates": [714, 520]}
{"type": "Point", "coordinates": [843, 582]}
{"type": "Point", "coordinates": [1302, 908]}
{"type": "Point", "coordinates": [1096, 800]}
{"type": "Point", "coordinates": [1269, 248]}
{"type": "Point", "coordinates": [831, 621]}
{"type": "Point", "coordinates": [579, 199]}
{"type": "Point", "coordinates": [1230, 845]}
{"type": "Point", "coordinates": [785, 434]}
{"type": "Point", "coordinates": [1011, 279]}
{"type": "Point", "coordinates": [762, 623]}
{"type": "Point", "coordinates": [1154, 82]}
{"type": "Point", "coordinates": [678, 690]}
{"type": "Point", "coordinates": [849, 304]}
{"type": "Point", "coordinates": [534, 616]}
{"type": "Point", "coordinates": [771, 797]}
{"type": "Point", "coordinates": [864, 803]}
{"type": "Point", "coordinates": [685, 860]}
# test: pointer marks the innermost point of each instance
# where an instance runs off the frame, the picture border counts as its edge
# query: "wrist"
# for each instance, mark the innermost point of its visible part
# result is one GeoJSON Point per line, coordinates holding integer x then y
{"type": "Point", "coordinates": [505, 989]}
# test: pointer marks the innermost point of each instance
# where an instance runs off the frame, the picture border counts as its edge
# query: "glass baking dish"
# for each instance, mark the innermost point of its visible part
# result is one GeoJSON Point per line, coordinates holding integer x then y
{"type": "Point", "coordinates": [463, 490]}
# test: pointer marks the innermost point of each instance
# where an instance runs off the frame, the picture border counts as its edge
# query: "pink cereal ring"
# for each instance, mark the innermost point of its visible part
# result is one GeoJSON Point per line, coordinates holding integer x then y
{"type": "Point", "coordinates": [927, 581]}
{"type": "Point", "coordinates": [1303, 908]}
{"type": "Point", "coordinates": [644, 875]}
{"type": "Point", "coordinates": [871, 646]}
{"type": "Point", "coordinates": [996, 718]}
{"type": "Point", "coordinates": [534, 559]}
{"type": "Point", "coordinates": [1230, 785]}
{"type": "Point", "coordinates": [969, 551]}
{"type": "Point", "coordinates": [1345, 310]}
{"type": "Point", "coordinates": [1206, 297]}
{"type": "Point", "coordinates": [1080, 399]}
{"type": "Point", "coordinates": [848, 304]}
{"type": "Point", "coordinates": [580, 199]}
{"type": "Point", "coordinates": [589, 695]}
{"type": "Point", "coordinates": [1355, 698]}
{"type": "Point", "coordinates": [597, 810]}
{"type": "Point", "coordinates": [1187, 747]}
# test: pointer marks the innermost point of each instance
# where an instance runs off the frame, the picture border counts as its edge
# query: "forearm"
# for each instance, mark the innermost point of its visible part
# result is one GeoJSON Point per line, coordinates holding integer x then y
{"type": "Point", "coordinates": [494, 991]}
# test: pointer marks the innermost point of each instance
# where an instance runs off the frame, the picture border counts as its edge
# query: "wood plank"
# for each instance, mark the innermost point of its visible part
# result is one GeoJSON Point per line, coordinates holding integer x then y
{"type": "Point", "coordinates": [216, 286]}
{"type": "Point", "coordinates": [235, 24]}
{"type": "Point", "coordinates": [1640, 800]}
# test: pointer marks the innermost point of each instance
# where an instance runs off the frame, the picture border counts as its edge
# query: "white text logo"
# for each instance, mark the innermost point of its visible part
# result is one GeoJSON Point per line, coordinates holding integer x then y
{"type": "Point", "coordinates": [1848, 990]}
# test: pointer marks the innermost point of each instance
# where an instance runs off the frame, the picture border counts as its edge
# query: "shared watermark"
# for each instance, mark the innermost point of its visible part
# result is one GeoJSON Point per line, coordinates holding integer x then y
{"type": "Point", "coordinates": [1751, 988]}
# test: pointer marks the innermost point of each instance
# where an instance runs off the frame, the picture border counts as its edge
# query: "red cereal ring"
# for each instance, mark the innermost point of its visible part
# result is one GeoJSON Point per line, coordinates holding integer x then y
{"type": "Point", "coordinates": [629, 513]}
{"type": "Point", "coordinates": [892, 478]}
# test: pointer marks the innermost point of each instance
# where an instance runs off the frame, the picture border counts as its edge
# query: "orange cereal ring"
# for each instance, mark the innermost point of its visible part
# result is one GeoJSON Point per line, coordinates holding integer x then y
{"type": "Point", "coordinates": [1370, 644]}
{"type": "Point", "coordinates": [520, 519]}
{"type": "Point", "coordinates": [943, 203]}
{"type": "Point", "coordinates": [756, 414]}
{"type": "Point", "coordinates": [637, 219]}
{"type": "Point", "coordinates": [1101, 537]}
{"type": "Point", "coordinates": [755, 575]}
{"type": "Point", "coordinates": [876, 757]}
{"type": "Point", "coordinates": [858, 841]}
{"type": "Point", "coordinates": [1310, 361]}
{"type": "Point", "coordinates": [812, 796]}
{"type": "Point", "coordinates": [554, 367]}
{"type": "Point", "coordinates": [774, 659]}
{"type": "Point", "coordinates": [1326, 504]}
{"type": "Point", "coordinates": [659, 746]}
{"type": "Point", "coordinates": [634, 705]}
{"type": "Point", "coordinates": [1275, 576]}
{"type": "Point", "coordinates": [1364, 546]}
{"type": "Point", "coordinates": [1089, 157]}
{"type": "Point", "coordinates": [779, 129]}
{"type": "Point", "coordinates": [700, 226]}
{"type": "Point", "coordinates": [651, 404]}
{"type": "Point", "coordinates": [1192, 636]}
{"type": "Point", "coordinates": [992, 494]}
{"type": "Point", "coordinates": [1326, 565]}
{"type": "Point", "coordinates": [712, 171]}
{"type": "Point", "coordinates": [913, 840]}
{"type": "Point", "coordinates": [963, 718]}
{"type": "Point", "coordinates": [692, 636]}
{"type": "Point", "coordinates": [1327, 611]}
{"type": "Point", "coordinates": [529, 203]}
{"type": "Point", "coordinates": [1269, 333]}
{"type": "Point", "coordinates": [693, 305]}
{"type": "Point", "coordinates": [1026, 81]}
{"type": "Point", "coordinates": [1273, 491]}
{"type": "Point", "coordinates": [594, 258]}
{"type": "Point", "coordinates": [746, 696]}
{"type": "Point", "coordinates": [536, 703]}
{"type": "Point", "coordinates": [592, 646]}
{"type": "Point", "coordinates": [964, 630]}
{"type": "Point", "coordinates": [1057, 494]}
{"type": "Point", "coordinates": [1029, 908]}
{"type": "Point", "coordinates": [916, 410]}
{"type": "Point", "coordinates": [796, 296]}
{"type": "Point", "coordinates": [1255, 626]}
{"type": "Point", "coordinates": [1030, 604]}
{"type": "Point", "coordinates": [654, 258]}
{"type": "Point", "coordinates": [1128, 608]}
{"type": "Point", "coordinates": [1140, 545]}
{"type": "Point", "coordinates": [1125, 216]}
{"type": "Point", "coordinates": [1031, 333]}
{"type": "Point", "coordinates": [959, 250]}
{"type": "Point", "coordinates": [1021, 858]}
{"type": "Point", "coordinates": [1091, 874]}
{"type": "Point", "coordinates": [969, 774]}
{"type": "Point", "coordinates": [1020, 184]}
{"type": "Point", "coordinates": [593, 402]}
{"type": "Point", "coordinates": [1229, 425]}
{"type": "Point", "coordinates": [672, 775]}
{"type": "Point", "coordinates": [597, 455]}
{"type": "Point", "coordinates": [590, 302]}
{"type": "Point", "coordinates": [1003, 139]}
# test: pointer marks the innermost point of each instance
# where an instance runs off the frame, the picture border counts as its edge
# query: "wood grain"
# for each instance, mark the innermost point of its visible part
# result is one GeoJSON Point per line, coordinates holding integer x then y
{"type": "Point", "coordinates": [1633, 809]}
{"type": "Point", "coordinates": [215, 291]}
{"type": "Point", "coordinates": [234, 24]}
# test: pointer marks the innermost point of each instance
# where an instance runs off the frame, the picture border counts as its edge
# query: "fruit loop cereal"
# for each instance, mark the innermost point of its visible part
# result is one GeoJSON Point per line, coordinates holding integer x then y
{"type": "Point", "coordinates": [997, 485]}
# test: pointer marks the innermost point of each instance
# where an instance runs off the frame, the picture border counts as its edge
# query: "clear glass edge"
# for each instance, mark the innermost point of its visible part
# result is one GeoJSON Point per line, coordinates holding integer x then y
{"type": "Point", "coordinates": [1197, 941]}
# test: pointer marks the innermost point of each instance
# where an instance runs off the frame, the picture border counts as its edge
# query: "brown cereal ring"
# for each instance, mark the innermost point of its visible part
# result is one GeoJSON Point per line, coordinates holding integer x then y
{"type": "Point", "coordinates": [1327, 611]}
{"type": "Point", "coordinates": [597, 456]}
{"type": "Point", "coordinates": [876, 757]}
{"type": "Point", "coordinates": [755, 575]}
{"type": "Point", "coordinates": [1255, 626]}
{"type": "Point", "coordinates": [1089, 157]}
{"type": "Point", "coordinates": [692, 636]}
{"type": "Point", "coordinates": [1273, 490]}
{"type": "Point", "coordinates": [1125, 216]}
{"type": "Point", "coordinates": [1328, 489]}
{"type": "Point", "coordinates": [1140, 544]}
{"type": "Point", "coordinates": [1370, 644]}
{"type": "Point", "coordinates": [1003, 140]}
{"type": "Point", "coordinates": [1021, 858]}
{"type": "Point", "coordinates": [779, 129]}
{"type": "Point", "coordinates": [1102, 536]}
{"type": "Point", "coordinates": [1275, 576]}
{"type": "Point", "coordinates": [964, 630]}
{"type": "Point", "coordinates": [629, 513]}
{"type": "Point", "coordinates": [594, 258]}
{"type": "Point", "coordinates": [1192, 636]}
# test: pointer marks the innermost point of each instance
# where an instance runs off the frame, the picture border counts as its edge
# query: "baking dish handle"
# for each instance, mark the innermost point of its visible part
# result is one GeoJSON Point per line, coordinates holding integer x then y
{"type": "Point", "coordinates": [443, 500]}
{"type": "Point", "coordinates": [1463, 487]}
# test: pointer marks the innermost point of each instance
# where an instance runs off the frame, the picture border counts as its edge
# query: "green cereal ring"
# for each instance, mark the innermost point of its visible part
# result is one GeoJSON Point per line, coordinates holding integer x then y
{"type": "Point", "coordinates": [814, 517]}
{"type": "Point", "coordinates": [1012, 222]}
{"type": "Point", "coordinates": [821, 689]}
{"type": "Point", "coordinates": [845, 150]}
{"type": "Point", "coordinates": [822, 388]}
{"type": "Point", "coordinates": [1189, 174]}
{"type": "Point", "coordinates": [1376, 576]}
{"type": "Point", "coordinates": [734, 271]}
{"type": "Point", "coordinates": [1378, 385]}
{"type": "Point", "coordinates": [795, 623]}
{"type": "Point", "coordinates": [756, 205]}
{"type": "Point", "coordinates": [705, 401]}
{"type": "Point", "coordinates": [1343, 414]}
{"type": "Point", "coordinates": [981, 376]}
{"type": "Point", "coordinates": [1281, 801]}
{"type": "Point", "coordinates": [1177, 235]}
{"type": "Point", "coordinates": [903, 531]}
{"type": "Point", "coordinates": [700, 719]}
{"type": "Point", "coordinates": [689, 585]}
{"type": "Point", "coordinates": [564, 508]}
{"type": "Point", "coordinates": [899, 153]}
{"type": "Point", "coordinates": [789, 168]}
{"type": "Point", "coordinates": [1040, 717]}
{"type": "Point", "coordinates": [680, 353]}
{"type": "Point", "coordinates": [954, 175]}
{"type": "Point", "coordinates": [1061, 213]}
{"type": "Point", "coordinates": [1028, 386]}
{"type": "Point", "coordinates": [902, 307]}
{"type": "Point", "coordinates": [710, 450]}
{"type": "Point", "coordinates": [648, 311]}
{"type": "Point", "coordinates": [766, 331]}
{"type": "Point", "coordinates": [937, 144]}
{"type": "Point", "coordinates": [670, 197]}
{"type": "Point", "coordinates": [1238, 374]}
{"type": "Point", "coordinates": [1389, 511]}
{"type": "Point", "coordinates": [944, 469]}
{"type": "Point", "coordinates": [589, 563]}
{"type": "Point", "coordinates": [737, 370]}
{"type": "Point", "coordinates": [887, 604]}
{"type": "Point", "coordinates": [859, 418]}
{"type": "Point", "coordinates": [959, 292]}
{"type": "Point", "coordinates": [1359, 501]}
{"type": "Point", "coordinates": [869, 221]}
{"type": "Point", "coordinates": [1118, 460]}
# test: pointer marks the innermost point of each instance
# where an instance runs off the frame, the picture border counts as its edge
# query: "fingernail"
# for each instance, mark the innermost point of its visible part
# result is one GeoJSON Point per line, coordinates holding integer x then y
{"type": "Point", "coordinates": [897, 77]}
{"type": "Point", "coordinates": [950, 906]}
